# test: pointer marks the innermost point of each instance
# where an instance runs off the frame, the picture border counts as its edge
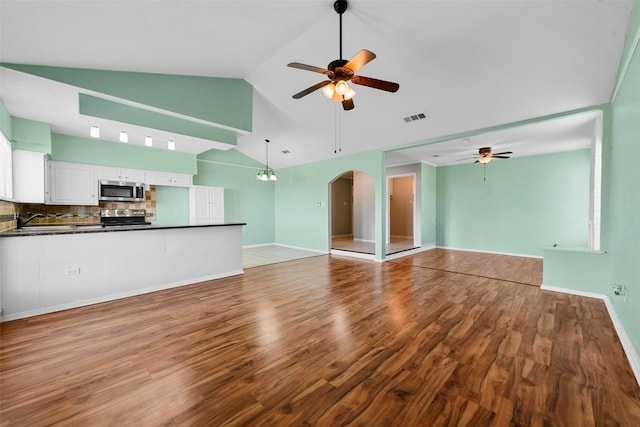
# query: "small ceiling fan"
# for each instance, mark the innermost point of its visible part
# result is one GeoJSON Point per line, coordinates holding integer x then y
{"type": "Point", "coordinates": [341, 71]}
{"type": "Point", "coordinates": [485, 155]}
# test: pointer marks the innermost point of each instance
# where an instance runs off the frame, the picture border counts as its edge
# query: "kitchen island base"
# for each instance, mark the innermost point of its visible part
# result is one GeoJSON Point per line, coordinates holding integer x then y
{"type": "Point", "coordinates": [45, 273]}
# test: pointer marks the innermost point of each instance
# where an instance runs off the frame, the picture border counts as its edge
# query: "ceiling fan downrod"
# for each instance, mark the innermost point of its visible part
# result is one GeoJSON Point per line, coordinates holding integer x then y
{"type": "Point", "coordinates": [340, 6]}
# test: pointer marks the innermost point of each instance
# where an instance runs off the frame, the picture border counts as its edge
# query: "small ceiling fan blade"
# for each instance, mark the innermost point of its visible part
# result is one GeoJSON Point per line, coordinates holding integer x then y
{"type": "Point", "coordinates": [308, 90]}
{"type": "Point", "coordinates": [499, 157]}
{"type": "Point", "coordinates": [360, 59]}
{"type": "Point", "coordinates": [375, 83]}
{"type": "Point", "coordinates": [347, 104]}
{"type": "Point", "coordinates": [504, 152]}
{"type": "Point", "coordinates": [306, 67]}
{"type": "Point", "coordinates": [477, 161]}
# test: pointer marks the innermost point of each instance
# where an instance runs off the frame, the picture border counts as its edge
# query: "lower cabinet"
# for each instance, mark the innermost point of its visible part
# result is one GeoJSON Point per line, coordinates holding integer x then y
{"type": "Point", "coordinates": [206, 205]}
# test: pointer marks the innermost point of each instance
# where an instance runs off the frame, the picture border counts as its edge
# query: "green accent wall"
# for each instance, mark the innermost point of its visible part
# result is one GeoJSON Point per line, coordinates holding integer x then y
{"type": "Point", "coordinates": [428, 185]}
{"type": "Point", "coordinates": [524, 205]}
{"type": "Point", "coordinates": [31, 135]}
{"type": "Point", "coordinates": [98, 107]}
{"type": "Point", "coordinates": [300, 222]}
{"type": "Point", "coordinates": [228, 102]}
{"type": "Point", "coordinates": [245, 198]}
{"type": "Point", "coordinates": [85, 150]}
{"type": "Point", "coordinates": [172, 205]}
{"type": "Point", "coordinates": [624, 197]}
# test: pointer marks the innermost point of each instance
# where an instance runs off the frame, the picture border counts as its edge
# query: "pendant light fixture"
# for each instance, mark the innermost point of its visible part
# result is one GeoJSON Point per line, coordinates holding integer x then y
{"type": "Point", "coordinates": [267, 174]}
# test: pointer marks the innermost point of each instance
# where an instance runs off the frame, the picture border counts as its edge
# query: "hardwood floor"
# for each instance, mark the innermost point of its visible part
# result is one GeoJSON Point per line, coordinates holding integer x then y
{"type": "Point", "coordinates": [324, 341]}
{"type": "Point", "coordinates": [396, 244]}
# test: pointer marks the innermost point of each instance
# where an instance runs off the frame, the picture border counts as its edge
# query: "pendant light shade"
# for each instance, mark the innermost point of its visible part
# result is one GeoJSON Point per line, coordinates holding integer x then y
{"type": "Point", "coordinates": [267, 174]}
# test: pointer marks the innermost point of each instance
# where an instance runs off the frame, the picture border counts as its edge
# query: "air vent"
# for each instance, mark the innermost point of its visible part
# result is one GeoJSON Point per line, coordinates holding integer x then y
{"type": "Point", "coordinates": [285, 151]}
{"type": "Point", "coordinates": [414, 117]}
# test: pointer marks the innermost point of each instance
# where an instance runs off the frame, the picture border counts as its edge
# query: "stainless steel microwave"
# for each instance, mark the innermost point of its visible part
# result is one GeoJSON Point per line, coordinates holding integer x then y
{"type": "Point", "coordinates": [121, 191]}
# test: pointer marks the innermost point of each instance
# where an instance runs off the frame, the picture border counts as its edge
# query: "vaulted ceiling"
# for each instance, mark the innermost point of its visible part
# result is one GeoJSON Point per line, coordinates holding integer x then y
{"type": "Point", "coordinates": [466, 65]}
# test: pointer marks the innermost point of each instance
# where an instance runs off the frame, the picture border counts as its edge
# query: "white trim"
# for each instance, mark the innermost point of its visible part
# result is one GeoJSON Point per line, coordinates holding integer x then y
{"type": "Point", "coordinates": [491, 252]}
{"type": "Point", "coordinates": [259, 245]}
{"type": "Point", "coordinates": [338, 236]}
{"type": "Point", "coordinates": [370, 257]}
{"type": "Point", "coordinates": [627, 345]}
{"type": "Point", "coordinates": [301, 248]}
{"type": "Point", "coordinates": [116, 296]}
{"type": "Point", "coordinates": [364, 240]}
{"type": "Point", "coordinates": [408, 252]}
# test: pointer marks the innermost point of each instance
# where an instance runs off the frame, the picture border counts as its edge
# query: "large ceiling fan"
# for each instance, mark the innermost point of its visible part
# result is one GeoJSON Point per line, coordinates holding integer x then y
{"type": "Point", "coordinates": [484, 155]}
{"type": "Point", "coordinates": [340, 71]}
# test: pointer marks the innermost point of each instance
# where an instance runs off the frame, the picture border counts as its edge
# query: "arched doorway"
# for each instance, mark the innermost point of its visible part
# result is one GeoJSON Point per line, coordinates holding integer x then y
{"type": "Point", "coordinates": [352, 213]}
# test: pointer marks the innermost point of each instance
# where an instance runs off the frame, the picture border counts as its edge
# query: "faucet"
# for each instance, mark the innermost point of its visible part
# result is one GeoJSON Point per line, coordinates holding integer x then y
{"type": "Point", "coordinates": [21, 223]}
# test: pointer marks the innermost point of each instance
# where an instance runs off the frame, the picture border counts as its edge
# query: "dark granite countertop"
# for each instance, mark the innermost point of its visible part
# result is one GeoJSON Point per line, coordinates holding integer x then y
{"type": "Point", "coordinates": [49, 230]}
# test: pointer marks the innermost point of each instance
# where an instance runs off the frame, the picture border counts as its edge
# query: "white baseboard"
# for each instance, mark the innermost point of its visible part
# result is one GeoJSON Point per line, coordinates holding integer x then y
{"type": "Point", "coordinates": [370, 257]}
{"type": "Point", "coordinates": [341, 236]}
{"type": "Point", "coordinates": [116, 296]}
{"type": "Point", "coordinates": [627, 345]}
{"type": "Point", "coordinates": [301, 249]}
{"type": "Point", "coordinates": [491, 252]}
{"type": "Point", "coordinates": [259, 245]}
{"type": "Point", "coordinates": [363, 240]}
{"type": "Point", "coordinates": [408, 252]}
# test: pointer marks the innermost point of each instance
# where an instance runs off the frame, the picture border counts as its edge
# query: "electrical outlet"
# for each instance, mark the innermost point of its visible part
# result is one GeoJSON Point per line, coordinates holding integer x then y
{"type": "Point", "coordinates": [619, 290]}
{"type": "Point", "coordinates": [72, 271]}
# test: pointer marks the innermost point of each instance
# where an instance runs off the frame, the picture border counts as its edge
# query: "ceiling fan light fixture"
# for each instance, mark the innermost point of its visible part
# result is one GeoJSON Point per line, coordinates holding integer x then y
{"type": "Point", "coordinates": [484, 159]}
{"type": "Point", "coordinates": [350, 94]}
{"type": "Point", "coordinates": [329, 90]}
{"type": "Point", "coordinates": [342, 87]}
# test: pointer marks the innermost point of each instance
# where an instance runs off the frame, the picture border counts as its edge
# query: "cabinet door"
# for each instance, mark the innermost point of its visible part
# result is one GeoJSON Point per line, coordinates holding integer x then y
{"type": "Point", "coordinates": [107, 173]}
{"type": "Point", "coordinates": [181, 180]}
{"type": "Point", "coordinates": [133, 175]}
{"type": "Point", "coordinates": [217, 204]}
{"type": "Point", "coordinates": [72, 184]}
{"type": "Point", "coordinates": [159, 178]}
{"type": "Point", "coordinates": [28, 176]}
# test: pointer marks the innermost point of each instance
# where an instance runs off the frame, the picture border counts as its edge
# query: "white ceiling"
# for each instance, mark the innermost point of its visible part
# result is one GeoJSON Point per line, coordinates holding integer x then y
{"type": "Point", "coordinates": [466, 64]}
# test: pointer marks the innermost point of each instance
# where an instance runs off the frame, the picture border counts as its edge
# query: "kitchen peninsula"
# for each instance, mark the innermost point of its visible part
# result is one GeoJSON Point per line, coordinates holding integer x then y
{"type": "Point", "coordinates": [56, 269]}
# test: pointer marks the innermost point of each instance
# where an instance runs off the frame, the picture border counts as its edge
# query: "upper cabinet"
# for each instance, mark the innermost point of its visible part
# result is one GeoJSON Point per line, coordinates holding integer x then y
{"type": "Point", "coordinates": [169, 179]}
{"type": "Point", "coordinates": [72, 184]}
{"type": "Point", "coordinates": [118, 174]}
{"type": "Point", "coordinates": [29, 177]}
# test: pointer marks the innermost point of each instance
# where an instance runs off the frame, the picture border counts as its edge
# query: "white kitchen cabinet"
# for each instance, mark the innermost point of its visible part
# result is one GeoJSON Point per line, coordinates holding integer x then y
{"type": "Point", "coordinates": [206, 204]}
{"type": "Point", "coordinates": [169, 179]}
{"type": "Point", "coordinates": [72, 184]}
{"type": "Point", "coordinates": [29, 177]}
{"type": "Point", "coordinates": [118, 174]}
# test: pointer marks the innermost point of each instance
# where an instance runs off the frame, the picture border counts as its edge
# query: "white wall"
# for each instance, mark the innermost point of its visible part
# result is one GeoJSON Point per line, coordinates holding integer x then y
{"type": "Point", "coordinates": [364, 202]}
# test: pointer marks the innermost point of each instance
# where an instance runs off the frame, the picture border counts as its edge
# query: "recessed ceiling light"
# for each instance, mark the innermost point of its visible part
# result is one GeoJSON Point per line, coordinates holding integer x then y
{"type": "Point", "coordinates": [148, 141]}
{"type": "Point", "coordinates": [171, 145]}
{"type": "Point", "coordinates": [123, 136]}
{"type": "Point", "coordinates": [95, 132]}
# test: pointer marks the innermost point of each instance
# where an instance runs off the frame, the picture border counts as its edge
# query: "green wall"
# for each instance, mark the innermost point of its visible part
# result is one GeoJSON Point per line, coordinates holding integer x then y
{"type": "Point", "coordinates": [172, 205]}
{"type": "Point", "coordinates": [245, 198]}
{"type": "Point", "coordinates": [85, 150]}
{"type": "Point", "coordinates": [429, 203]}
{"type": "Point", "coordinates": [31, 135]}
{"type": "Point", "coordinates": [524, 205]}
{"type": "Point", "coordinates": [624, 197]}
{"type": "Point", "coordinates": [300, 221]}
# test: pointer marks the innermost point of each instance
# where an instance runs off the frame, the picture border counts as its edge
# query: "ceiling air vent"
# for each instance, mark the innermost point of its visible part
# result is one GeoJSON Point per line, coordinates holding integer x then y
{"type": "Point", "coordinates": [285, 151]}
{"type": "Point", "coordinates": [414, 117]}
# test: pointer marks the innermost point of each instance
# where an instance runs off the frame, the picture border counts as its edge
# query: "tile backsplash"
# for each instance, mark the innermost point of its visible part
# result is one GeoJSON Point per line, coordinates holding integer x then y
{"type": "Point", "coordinates": [63, 214]}
{"type": "Point", "coordinates": [7, 215]}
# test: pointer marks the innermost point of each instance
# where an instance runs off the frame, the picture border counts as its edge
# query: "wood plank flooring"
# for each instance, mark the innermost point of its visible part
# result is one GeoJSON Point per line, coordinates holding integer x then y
{"type": "Point", "coordinates": [323, 341]}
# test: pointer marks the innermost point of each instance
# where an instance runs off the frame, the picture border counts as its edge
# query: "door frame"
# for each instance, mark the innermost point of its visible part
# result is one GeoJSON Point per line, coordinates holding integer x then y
{"type": "Point", "coordinates": [417, 224]}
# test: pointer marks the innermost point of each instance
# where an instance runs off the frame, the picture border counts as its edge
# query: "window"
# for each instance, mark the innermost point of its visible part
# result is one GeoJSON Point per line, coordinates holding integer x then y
{"type": "Point", "coordinates": [6, 169]}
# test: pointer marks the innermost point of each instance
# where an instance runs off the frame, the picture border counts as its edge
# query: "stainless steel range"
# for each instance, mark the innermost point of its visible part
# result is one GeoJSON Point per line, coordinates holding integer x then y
{"type": "Point", "coordinates": [120, 217]}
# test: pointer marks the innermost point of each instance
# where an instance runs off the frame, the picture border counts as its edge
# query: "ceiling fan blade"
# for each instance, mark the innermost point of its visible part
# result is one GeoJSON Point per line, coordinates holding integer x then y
{"type": "Point", "coordinates": [477, 161]}
{"type": "Point", "coordinates": [499, 157]}
{"type": "Point", "coordinates": [308, 90]}
{"type": "Point", "coordinates": [310, 68]}
{"type": "Point", "coordinates": [467, 158]}
{"type": "Point", "coordinates": [347, 104]}
{"type": "Point", "coordinates": [504, 152]}
{"type": "Point", "coordinates": [360, 59]}
{"type": "Point", "coordinates": [375, 83]}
